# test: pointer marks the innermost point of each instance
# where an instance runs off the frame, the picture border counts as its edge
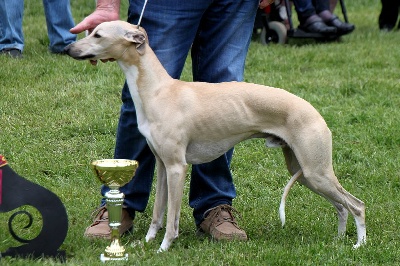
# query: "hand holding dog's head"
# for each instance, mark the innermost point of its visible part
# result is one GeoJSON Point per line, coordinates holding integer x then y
{"type": "Point", "coordinates": [109, 41]}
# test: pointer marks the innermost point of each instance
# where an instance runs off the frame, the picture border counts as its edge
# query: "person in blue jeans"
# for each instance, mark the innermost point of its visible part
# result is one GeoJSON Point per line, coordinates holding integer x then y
{"type": "Point", "coordinates": [58, 19]}
{"type": "Point", "coordinates": [217, 33]}
{"type": "Point", "coordinates": [315, 16]}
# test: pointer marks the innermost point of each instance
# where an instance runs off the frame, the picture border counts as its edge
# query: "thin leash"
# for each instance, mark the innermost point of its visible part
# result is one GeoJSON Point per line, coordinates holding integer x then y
{"type": "Point", "coordinates": [141, 14]}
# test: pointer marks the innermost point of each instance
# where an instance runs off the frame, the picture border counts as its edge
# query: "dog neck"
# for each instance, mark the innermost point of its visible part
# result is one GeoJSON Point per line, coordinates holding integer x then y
{"type": "Point", "coordinates": [151, 75]}
{"type": "Point", "coordinates": [145, 77]}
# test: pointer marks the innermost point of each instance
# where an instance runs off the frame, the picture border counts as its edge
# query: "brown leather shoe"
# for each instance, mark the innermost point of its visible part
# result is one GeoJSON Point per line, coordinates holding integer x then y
{"type": "Point", "coordinates": [100, 228]}
{"type": "Point", "coordinates": [221, 224]}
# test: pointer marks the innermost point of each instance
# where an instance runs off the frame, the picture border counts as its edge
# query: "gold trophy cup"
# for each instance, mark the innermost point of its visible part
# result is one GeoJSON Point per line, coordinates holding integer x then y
{"type": "Point", "coordinates": [114, 173]}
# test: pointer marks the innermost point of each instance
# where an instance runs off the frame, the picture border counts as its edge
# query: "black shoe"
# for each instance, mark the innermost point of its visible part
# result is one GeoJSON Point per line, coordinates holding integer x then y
{"type": "Point", "coordinates": [13, 52]}
{"type": "Point", "coordinates": [318, 27]}
{"type": "Point", "coordinates": [314, 24]}
{"type": "Point", "coordinates": [342, 27]}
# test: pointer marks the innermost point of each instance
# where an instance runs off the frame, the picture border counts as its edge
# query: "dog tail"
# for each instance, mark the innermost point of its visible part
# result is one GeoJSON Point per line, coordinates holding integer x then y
{"type": "Point", "coordinates": [284, 195]}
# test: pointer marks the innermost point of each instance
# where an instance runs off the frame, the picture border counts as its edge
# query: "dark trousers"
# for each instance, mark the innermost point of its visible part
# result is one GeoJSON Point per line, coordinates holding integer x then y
{"type": "Point", "coordinates": [389, 14]}
{"type": "Point", "coordinates": [307, 8]}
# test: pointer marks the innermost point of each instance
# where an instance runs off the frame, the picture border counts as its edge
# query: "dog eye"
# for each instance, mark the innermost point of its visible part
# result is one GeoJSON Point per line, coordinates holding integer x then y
{"type": "Point", "coordinates": [96, 35]}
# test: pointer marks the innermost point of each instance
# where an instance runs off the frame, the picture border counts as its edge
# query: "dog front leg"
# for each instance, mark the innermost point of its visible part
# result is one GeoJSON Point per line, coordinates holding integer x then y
{"type": "Point", "coordinates": [160, 202]}
{"type": "Point", "coordinates": [175, 182]}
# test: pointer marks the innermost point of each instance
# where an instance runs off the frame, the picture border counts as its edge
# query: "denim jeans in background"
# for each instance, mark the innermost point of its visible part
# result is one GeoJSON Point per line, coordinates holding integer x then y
{"type": "Point", "coordinates": [11, 14]}
{"type": "Point", "coordinates": [58, 20]}
{"type": "Point", "coordinates": [218, 33]}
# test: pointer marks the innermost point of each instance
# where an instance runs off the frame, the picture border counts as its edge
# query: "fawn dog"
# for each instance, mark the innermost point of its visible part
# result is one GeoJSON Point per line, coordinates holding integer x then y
{"type": "Point", "coordinates": [196, 122]}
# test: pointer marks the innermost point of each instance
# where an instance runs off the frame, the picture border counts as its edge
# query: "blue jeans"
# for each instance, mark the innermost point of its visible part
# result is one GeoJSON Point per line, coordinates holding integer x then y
{"type": "Point", "coordinates": [218, 33]}
{"type": "Point", "coordinates": [58, 19]}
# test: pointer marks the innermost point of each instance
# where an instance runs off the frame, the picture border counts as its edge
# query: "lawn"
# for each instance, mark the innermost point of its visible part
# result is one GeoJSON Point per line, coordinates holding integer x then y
{"type": "Point", "coordinates": [58, 115]}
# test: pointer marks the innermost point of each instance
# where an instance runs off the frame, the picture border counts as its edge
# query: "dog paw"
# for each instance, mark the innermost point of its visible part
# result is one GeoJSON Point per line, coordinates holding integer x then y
{"type": "Point", "coordinates": [150, 237]}
{"type": "Point", "coordinates": [152, 232]}
{"type": "Point", "coordinates": [359, 244]}
{"type": "Point", "coordinates": [164, 246]}
{"type": "Point", "coordinates": [160, 250]}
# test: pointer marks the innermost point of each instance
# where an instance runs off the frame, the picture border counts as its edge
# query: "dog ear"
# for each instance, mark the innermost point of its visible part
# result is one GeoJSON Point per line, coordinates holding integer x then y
{"type": "Point", "coordinates": [138, 38]}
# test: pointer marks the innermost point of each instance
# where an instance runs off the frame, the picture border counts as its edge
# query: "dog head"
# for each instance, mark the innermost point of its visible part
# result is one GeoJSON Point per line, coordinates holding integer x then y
{"type": "Point", "coordinates": [109, 41]}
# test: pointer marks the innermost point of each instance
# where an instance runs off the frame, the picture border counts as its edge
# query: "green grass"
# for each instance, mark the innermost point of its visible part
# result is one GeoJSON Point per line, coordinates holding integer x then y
{"type": "Point", "coordinates": [58, 115]}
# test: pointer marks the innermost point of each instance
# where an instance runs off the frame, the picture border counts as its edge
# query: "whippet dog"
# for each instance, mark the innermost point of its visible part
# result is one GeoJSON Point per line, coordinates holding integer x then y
{"type": "Point", "coordinates": [196, 122]}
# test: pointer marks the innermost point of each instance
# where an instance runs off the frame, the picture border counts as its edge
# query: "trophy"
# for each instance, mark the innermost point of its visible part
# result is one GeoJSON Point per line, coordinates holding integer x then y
{"type": "Point", "coordinates": [114, 173]}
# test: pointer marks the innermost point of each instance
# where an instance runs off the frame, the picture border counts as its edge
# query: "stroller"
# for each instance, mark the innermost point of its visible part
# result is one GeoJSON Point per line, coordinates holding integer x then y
{"type": "Point", "coordinates": [276, 24]}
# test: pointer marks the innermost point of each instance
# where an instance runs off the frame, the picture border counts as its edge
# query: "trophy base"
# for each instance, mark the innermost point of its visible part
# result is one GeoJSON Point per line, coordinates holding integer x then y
{"type": "Point", "coordinates": [104, 258]}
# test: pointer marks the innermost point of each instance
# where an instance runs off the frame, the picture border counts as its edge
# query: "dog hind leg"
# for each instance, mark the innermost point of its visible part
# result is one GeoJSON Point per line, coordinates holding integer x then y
{"type": "Point", "coordinates": [327, 185]}
{"type": "Point", "coordinates": [293, 165]}
{"type": "Point", "coordinates": [329, 188]}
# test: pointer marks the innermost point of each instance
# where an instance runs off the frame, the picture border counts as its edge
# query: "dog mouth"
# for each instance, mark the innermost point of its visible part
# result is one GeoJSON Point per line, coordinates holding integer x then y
{"type": "Point", "coordinates": [78, 54]}
{"type": "Point", "coordinates": [84, 57]}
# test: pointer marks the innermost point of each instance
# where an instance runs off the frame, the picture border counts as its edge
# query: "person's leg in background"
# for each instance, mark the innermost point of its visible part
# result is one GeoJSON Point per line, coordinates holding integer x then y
{"type": "Point", "coordinates": [11, 34]}
{"type": "Point", "coordinates": [332, 5]}
{"type": "Point", "coordinates": [322, 7]}
{"type": "Point", "coordinates": [389, 14]}
{"type": "Point", "coordinates": [309, 20]}
{"type": "Point", "coordinates": [59, 20]}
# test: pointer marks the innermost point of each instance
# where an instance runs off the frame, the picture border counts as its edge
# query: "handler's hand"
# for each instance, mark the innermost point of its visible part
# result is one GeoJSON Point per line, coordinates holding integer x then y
{"type": "Point", "coordinates": [99, 16]}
